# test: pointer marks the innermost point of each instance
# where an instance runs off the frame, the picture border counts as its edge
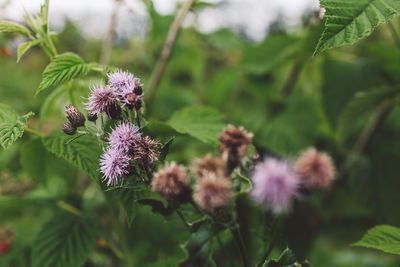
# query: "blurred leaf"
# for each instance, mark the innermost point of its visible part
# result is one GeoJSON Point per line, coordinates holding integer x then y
{"type": "Point", "coordinates": [62, 68]}
{"type": "Point", "coordinates": [165, 149]}
{"type": "Point", "coordinates": [192, 215]}
{"type": "Point", "coordinates": [286, 259]}
{"type": "Point", "coordinates": [202, 123]}
{"type": "Point", "coordinates": [198, 248]}
{"type": "Point", "coordinates": [84, 152]}
{"type": "Point", "coordinates": [65, 240]}
{"type": "Point", "coordinates": [221, 86]}
{"type": "Point", "coordinates": [351, 20]}
{"type": "Point", "coordinates": [11, 125]}
{"type": "Point", "coordinates": [241, 184]}
{"type": "Point", "coordinates": [382, 237]}
{"type": "Point", "coordinates": [273, 51]}
{"type": "Point", "coordinates": [44, 15]}
{"type": "Point", "coordinates": [159, 130]}
{"type": "Point", "coordinates": [25, 47]}
{"type": "Point", "coordinates": [34, 158]}
{"type": "Point", "coordinates": [8, 26]}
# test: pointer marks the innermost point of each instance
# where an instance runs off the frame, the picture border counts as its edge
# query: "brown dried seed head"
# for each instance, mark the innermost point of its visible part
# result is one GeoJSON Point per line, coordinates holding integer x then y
{"type": "Point", "coordinates": [145, 151]}
{"type": "Point", "coordinates": [170, 180]}
{"type": "Point", "coordinates": [208, 164]}
{"type": "Point", "coordinates": [234, 140]}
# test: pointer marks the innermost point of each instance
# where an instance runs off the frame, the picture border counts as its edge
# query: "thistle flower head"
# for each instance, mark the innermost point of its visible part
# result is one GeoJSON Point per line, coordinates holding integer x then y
{"type": "Point", "coordinates": [275, 184]}
{"type": "Point", "coordinates": [235, 140]}
{"type": "Point", "coordinates": [212, 192]}
{"type": "Point", "coordinates": [170, 180]}
{"type": "Point", "coordinates": [91, 116]}
{"type": "Point", "coordinates": [101, 100]}
{"type": "Point", "coordinates": [315, 169]}
{"type": "Point", "coordinates": [210, 164]}
{"type": "Point", "coordinates": [76, 118]}
{"type": "Point", "coordinates": [124, 136]}
{"type": "Point", "coordinates": [145, 151]}
{"type": "Point", "coordinates": [113, 164]}
{"type": "Point", "coordinates": [69, 129]}
{"type": "Point", "coordinates": [120, 79]}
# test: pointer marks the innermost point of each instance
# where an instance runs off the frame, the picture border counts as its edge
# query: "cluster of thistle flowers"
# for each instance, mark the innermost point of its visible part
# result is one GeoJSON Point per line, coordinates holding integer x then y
{"type": "Point", "coordinates": [276, 182]}
{"type": "Point", "coordinates": [127, 149]}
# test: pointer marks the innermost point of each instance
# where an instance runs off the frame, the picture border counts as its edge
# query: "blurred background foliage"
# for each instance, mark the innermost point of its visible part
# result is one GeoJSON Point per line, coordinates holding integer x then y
{"type": "Point", "coordinates": [274, 88]}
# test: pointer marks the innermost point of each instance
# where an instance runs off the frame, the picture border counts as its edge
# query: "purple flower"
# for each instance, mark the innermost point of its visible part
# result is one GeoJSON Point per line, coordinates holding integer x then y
{"type": "Point", "coordinates": [127, 87]}
{"type": "Point", "coordinates": [124, 136]}
{"type": "Point", "coordinates": [113, 164]}
{"type": "Point", "coordinates": [120, 80]}
{"type": "Point", "coordinates": [275, 184]}
{"type": "Point", "coordinates": [101, 99]}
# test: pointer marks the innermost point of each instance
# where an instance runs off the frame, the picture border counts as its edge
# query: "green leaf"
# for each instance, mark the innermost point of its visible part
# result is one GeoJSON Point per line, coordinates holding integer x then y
{"type": "Point", "coordinates": [350, 20]}
{"type": "Point", "coordinates": [382, 237]}
{"type": "Point", "coordinates": [34, 158]}
{"type": "Point", "coordinates": [65, 240]}
{"type": "Point", "coordinates": [84, 152]}
{"type": "Point", "coordinates": [286, 259]}
{"type": "Point", "coordinates": [165, 149]}
{"type": "Point", "coordinates": [241, 183]}
{"type": "Point", "coordinates": [8, 26]}
{"type": "Point", "coordinates": [62, 68]}
{"type": "Point", "coordinates": [203, 123]}
{"type": "Point", "coordinates": [25, 47]}
{"type": "Point", "coordinates": [11, 125]}
{"type": "Point", "coordinates": [192, 215]}
{"type": "Point", "coordinates": [44, 15]}
{"type": "Point", "coordinates": [198, 248]}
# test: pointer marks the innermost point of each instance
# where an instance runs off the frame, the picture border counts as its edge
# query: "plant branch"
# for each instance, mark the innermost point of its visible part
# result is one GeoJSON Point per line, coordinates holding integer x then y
{"type": "Point", "coordinates": [65, 206]}
{"type": "Point", "coordinates": [31, 131]}
{"type": "Point", "coordinates": [292, 78]}
{"type": "Point", "coordinates": [167, 49]}
{"type": "Point", "coordinates": [108, 40]}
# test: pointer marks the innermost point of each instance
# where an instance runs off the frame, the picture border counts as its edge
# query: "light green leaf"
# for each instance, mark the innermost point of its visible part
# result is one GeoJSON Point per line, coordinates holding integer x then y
{"type": "Point", "coordinates": [203, 123]}
{"type": "Point", "coordinates": [66, 240]}
{"type": "Point", "coordinates": [83, 152]}
{"type": "Point", "coordinates": [350, 20]}
{"type": "Point", "coordinates": [11, 125]}
{"type": "Point", "coordinates": [61, 69]}
{"type": "Point", "coordinates": [44, 15]}
{"type": "Point", "coordinates": [382, 237]}
{"type": "Point", "coordinates": [25, 47]}
{"type": "Point", "coordinates": [8, 26]}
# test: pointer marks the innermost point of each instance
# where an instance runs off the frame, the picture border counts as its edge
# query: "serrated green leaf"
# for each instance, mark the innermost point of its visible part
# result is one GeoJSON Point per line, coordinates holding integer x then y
{"type": "Point", "coordinates": [203, 123]}
{"type": "Point", "coordinates": [66, 240]}
{"type": "Point", "coordinates": [84, 152]}
{"type": "Point", "coordinates": [8, 26]}
{"type": "Point", "coordinates": [382, 237]}
{"type": "Point", "coordinates": [11, 125]}
{"type": "Point", "coordinates": [62, 68]}
{"type": "Point", "coordinates": [350, 20]}
{"type": "Point", "coordinates": [25, 47]}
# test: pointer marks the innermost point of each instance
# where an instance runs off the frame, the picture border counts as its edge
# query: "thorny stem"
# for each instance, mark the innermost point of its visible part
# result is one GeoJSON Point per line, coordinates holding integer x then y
{"type": "Point", "coordinates": [31, 131]}
{"type": "Point", "coordinates": [239, 242]}
{"type": "Point", "coordinates": [167, 49]}
{"type": "Point", "coordinates": [394, 34]}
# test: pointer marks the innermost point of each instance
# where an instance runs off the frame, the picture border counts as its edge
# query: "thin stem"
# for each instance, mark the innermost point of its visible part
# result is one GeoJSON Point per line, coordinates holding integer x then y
{"type": "Point", "coordinates": [292, 78]}
{"type": "Point", "coordinates": [137, 115]}
{"type": "Point", "coordinates": [29, 130]}
{"type": "Point", "coordinates": [64, 205]}
{"type": "Point", "coordinates": [239, 242]}
{"type": "Point", "coordinates": [167, 49]}
{"type": "Point", "coordinates": [183, 219]}
{"type": "Point", "coordinates": [114, 249]}
{"type": "Point", "coordinates": [394, 34]}
{"type": "Point", "coordinates": [108, 40]}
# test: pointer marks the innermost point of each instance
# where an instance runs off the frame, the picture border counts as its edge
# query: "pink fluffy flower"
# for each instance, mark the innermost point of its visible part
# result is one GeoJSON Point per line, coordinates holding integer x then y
{"type": "Point", "coordinates": [127, 87]}
{"type": "Point", "coordinates": [113, 164]}
{"type": "Point", "coordinates": [124, 136]}
{"type": "Point", "coordinates": [275, 184]}
{"type": "Point", "coordinates": [120, 80]}
{"type": "Point", "coordinates": [101, 100]}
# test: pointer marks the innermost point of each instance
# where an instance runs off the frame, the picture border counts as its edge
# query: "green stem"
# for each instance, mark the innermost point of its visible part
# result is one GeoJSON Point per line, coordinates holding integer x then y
{"type": "Point", "coordinates": [64, 205]}
{"type": "Point", "coordinates": [239, 242]}
{"type": "Point", "coordinates": [29, 130]}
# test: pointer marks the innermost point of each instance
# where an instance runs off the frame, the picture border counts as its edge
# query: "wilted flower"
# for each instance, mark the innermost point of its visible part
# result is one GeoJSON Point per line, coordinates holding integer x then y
{"type": "Point", "coordinates": [76, 117]}
{"type": "Point", "coordinates": [145, 151]}
{"type": "Point", "coordinates": [113, 164]}
{"type": "Point", "coordinates": [69, 129]}
{"type": "Point", "coordinates": [170, 180]}
{"type": "Point", "coordinates": [124, 136]}
{"type": "Point", "coordinates": [91, 116]}
{"type": "Point", "coordinates": [212, 192]}
{"type": "Point", "coordinates": [315, 169]}
{"type": "Point", "coordinates": [275, 184]}
{"type": "Point", "coordinates": [102, 100]}
{"type": "Point", "coordinates": [210, 164]}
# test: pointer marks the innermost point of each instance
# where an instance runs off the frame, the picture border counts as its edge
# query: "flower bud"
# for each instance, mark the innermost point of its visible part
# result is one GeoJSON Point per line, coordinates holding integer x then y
{"type": "Point", "coordinates": [210, 164]}
{"type": "Point", "coordinates": [138, 90]}
{"type": "Point", "coordinates": [76, 117]}
{"type": "Point", "coordinates": [91, 116]}
{"type": "Point", "coordinates": [69, 129]}
{"type": "Point", "coordinates": [114, 111]}
{"type": "Point", "coordinates": [171, 180]}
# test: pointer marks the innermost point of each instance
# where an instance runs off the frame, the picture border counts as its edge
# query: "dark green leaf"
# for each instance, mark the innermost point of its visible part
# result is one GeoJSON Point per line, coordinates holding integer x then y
{"type": "Point", "coordinates": [286, 259]}
{"type": "Point", "coordinates": [198, 248]}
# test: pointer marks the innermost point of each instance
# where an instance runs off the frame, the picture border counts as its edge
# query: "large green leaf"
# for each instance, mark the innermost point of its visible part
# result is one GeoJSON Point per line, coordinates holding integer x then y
{"type": "Point", "coordinates": [382, 237]}
{"type": "Point", "coordinates": [8, 26]}
{"type": "Point", "coordinates": [350, 20]}
{"type": "Point", "coordinates": [65, 241]}
{"type": "Point", "coordinates": [203, 123]}
{"type": "Point", "coordinates": [83, 152]}
{"type": "Point", "coordinates": [61, 69]}
{"type": "Point", "coordinates": [11, 125]}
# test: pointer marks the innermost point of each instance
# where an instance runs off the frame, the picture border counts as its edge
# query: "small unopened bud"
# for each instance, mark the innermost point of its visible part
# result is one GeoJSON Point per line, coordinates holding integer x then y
{"type": "Point", "coordinates": [138, 104]}
{"type": "Point", "coordinates": [138, 90]}
{"type": "Point", "coordinates": [69, 129]}
{"type": "Point", "coordinates": [76, 117]}
{"type": "Point", "coordinates": [91, 116]}
{"type": "Point", "coordinates": [114, 111]}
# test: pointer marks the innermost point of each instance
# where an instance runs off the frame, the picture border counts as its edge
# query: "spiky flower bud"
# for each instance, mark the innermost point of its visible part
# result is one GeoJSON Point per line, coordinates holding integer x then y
{"type": "Point", "coordinates": [91, 116]}
{"type": "Point", "coordinates": [114, 111]}
{"type": "Point", "coordinates": [69, 129]}
{"type": "Point", "coordinates": [170, 180]}
{"type": "Point", "coordinates": [145, 151]}
{"type": "Point", "coordinates": [138, 89]}
{"type": "Point", "coordinates": [76, 117]}
{"type": "Point", "coordinates": [101, 100]}
{"type": "Point", "coordinates": [212, 192]}
{"type": "Point", "coordinates": [315, 169]}
{"type": "Point", "coordinates": [210, 164]}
